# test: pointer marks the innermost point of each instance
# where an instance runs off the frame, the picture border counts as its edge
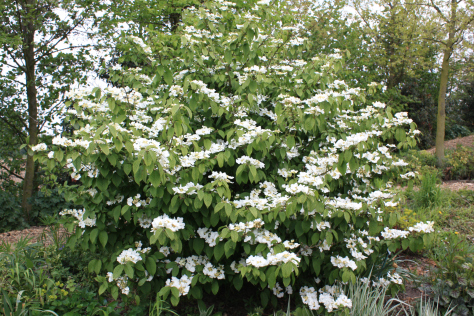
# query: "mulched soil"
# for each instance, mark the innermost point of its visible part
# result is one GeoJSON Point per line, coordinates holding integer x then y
{"type": "Point", "coordinates": [38, 234]}
{"type": "Point", "coordinates": [455, 185]}
{"type": "Point", "coordinates": [467, 141]}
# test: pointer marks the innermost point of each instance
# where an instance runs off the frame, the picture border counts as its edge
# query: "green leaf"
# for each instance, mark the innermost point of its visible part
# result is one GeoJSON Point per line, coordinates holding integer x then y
{"type": "Point", "coordinates": [114, 292]}
{"type": "Point", "coordinates": [208, 199]}
{"type": "Point", "coordinates": [94, 234]}
{"type": "Point", "coordinates": [103, 237]}
{"type": "Point", "coordinates": [168, 76]}
{"type": "Point", "coordinates": [151, 265]}
{"type": "Point", "coordinates": [155, 178]}
{"type": "Point", "coordinates": [228, 56]}
{"type": "Point", "coordinates": [198, 245]}
{"type": "Point", "coordinates": [347, 155]}
{"type": "Point", "coordinates": [215, 287]}
{"type": "Point", "coordinates": [128, 270]}
{"type": "Point", "coordinates": [290, 141]}
{"type": "Point", "coordinates": [91, 265]}
{"type": "Point", "coordinates": [103, 287]}
{"type": "Point", "coordinates": [238, 282]}
{"type": "Point", "coordinates": [118, 271]}
{"type": "Point", "coordinates": [219, 251]}
{"type": "Point", "coordinates": [253, 86]}
{"type": "Point", "coordinates": [286, 269]}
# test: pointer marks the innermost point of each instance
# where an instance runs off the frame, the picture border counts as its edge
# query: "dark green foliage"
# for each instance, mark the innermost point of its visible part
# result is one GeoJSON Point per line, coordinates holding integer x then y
{"type": "Point", "coordinates": [11, 217]}
{"type": "Point", "coordinates": [461, 105]}
{"type": "Point", "coordinates": [455, 130]}
{"type": "Point", "coordinates": [454, 285]}
{"type": "Point", "coordinates": [48, 203]}
{"type": "Point", "coordinates": [43, 204]}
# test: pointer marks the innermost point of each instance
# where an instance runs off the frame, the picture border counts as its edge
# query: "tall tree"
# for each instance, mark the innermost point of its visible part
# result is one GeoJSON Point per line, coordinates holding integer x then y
{"type": "Point", "coordinates": [39, 62]}
{"type": "Point", "coordinates": [397, 43]}
{"type": "Point", "coordinates": [454, 19]}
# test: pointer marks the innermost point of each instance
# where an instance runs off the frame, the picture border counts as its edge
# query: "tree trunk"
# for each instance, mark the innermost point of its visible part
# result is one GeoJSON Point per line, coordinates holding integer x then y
{"type": "Point", "coordinates": [441, 118]}
{"type": "Point", "coordinates": [30, 63]}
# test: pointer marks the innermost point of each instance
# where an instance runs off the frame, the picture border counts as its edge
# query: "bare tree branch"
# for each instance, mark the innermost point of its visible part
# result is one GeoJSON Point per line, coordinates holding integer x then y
{"type": "Point", "coordinates": [11, 172]}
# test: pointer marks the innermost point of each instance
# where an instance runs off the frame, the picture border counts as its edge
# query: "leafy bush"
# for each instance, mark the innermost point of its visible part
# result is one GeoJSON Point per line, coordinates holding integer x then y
{"type": "Point", "coordinates": [38, 277]}
{"type": "Point", "coordinates": [11, 216]}
{"type": "Point", "coordinates": [232, 156]}
{"type": "Point", "coordinates": [460, 163]}
{"type": "Point", "coordinates": [46, 203]}
{"type": "Point", "coordinates": [453, 284]}
{"type": "Point", "coordinates": [455, 130]}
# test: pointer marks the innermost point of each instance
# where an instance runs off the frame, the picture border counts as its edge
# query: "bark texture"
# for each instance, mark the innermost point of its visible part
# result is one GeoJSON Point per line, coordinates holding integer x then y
{"type": "Point", "coordinates": [31, 92]}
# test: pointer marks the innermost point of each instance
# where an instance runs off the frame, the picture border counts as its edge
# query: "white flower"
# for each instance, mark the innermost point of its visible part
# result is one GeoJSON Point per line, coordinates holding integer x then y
{"type": "Point", "coordinates": [221, 176]}
{"type": "Point", "coordinates": [309, 296]}
{"type": "Point", "coordinates": [129, 255]}
{"type": "Point", "coordinates": [245, 159]}
{"type": "Point", "coordinates": [183, 284]}
{"type": "Point", "coordinates": [39, 147]}
{"type": "Point", "coordinates": [164, 221]}
{"type": "Point", "coordinates": [125, 290]}
{"type": "Point", "coordinates": [422, 227]}
{"type": "Point", "coordinates": [341, 262]}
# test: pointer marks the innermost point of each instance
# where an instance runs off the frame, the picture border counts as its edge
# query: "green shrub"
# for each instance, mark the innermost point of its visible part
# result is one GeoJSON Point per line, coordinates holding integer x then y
{"type": "Point", "coordinates": [231, 161]}
{"type": "Point", "coordinates": [47, 203]}
{"type": "Point", "coordinates": [43, 204]}
{"type": "Point", "coordinates": [453, 280]}
{"type": "Point", "coordinates": [38, 275]}
{"type": "Point", "coordinates": [11, 216]}
{"type": "Point", "coordinates": [460, 163]}
{"type": "Point", "coordinates": [455, 130]}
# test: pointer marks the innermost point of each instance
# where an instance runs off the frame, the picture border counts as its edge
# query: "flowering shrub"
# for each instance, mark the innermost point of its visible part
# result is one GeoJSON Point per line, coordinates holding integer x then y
{"type": "Point", "coordinates": [233, 155]}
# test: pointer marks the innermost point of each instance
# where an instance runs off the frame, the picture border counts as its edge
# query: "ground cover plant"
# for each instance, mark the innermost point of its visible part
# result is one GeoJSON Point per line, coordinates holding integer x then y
{"type": "Point", "coordinates": [230, 155]}
{"type": "Point", "coordinates": [449, 278]}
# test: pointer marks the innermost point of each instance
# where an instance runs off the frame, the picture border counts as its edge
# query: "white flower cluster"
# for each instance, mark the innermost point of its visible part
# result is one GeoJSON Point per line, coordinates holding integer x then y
{"type": "Point", "coordinates": [140, 43]}
{"type": "Point", "coordinates": [279, 292]}
{"type": "Point", "coordinates": [408, 175]}
{"type": "Point", "coordinates": [221, 176]}
{"type": "Point", "coordinates": [290, 244]}
{"type": "Point", "coordinates": [118, 199]}
{"type": "Point", "coordinates": [341, 262]}
{"type": "Point", "coordinates": [190, 188]}
{"type": "Point", "coordinates": [137, 202]}
{"type": "Point", "coordinates": [208, 235]}
{"type": "Point", "coordinates": [129, 255]}
{"type": "Point", "coordinates": [309, 296]}
{"type": "Point", "coordinates": [213, 272]}
{"type": "Point", "coordinates": [164, 221]}
{"type": "Point", "coordinates": [394, 233]}
{"type": "Point", "coordinates": [296, 188]}
{"type": "Point", "coordinates": [122, 282]}
{"type": "Point", "coordinates": [39, 147]}
{"type": "Point", "coordinates": [183, 284]}
{"type": "Point", "coordinates": [245, 159]}
{"type": "Point", "coordinates": [144, 221]}
{"type": "Point", "coordinates": [245, 227]}
{"type": "Point", "coordinates": [272, 198]}
{"type": "Point", "coordinates": [273, 259]}
{"type": "Point", "coordinates": [79, 215]}
{"type": "Point", "coordinates": [327, 295]}
{"type": "Point", "coordinates": [423, 227]}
